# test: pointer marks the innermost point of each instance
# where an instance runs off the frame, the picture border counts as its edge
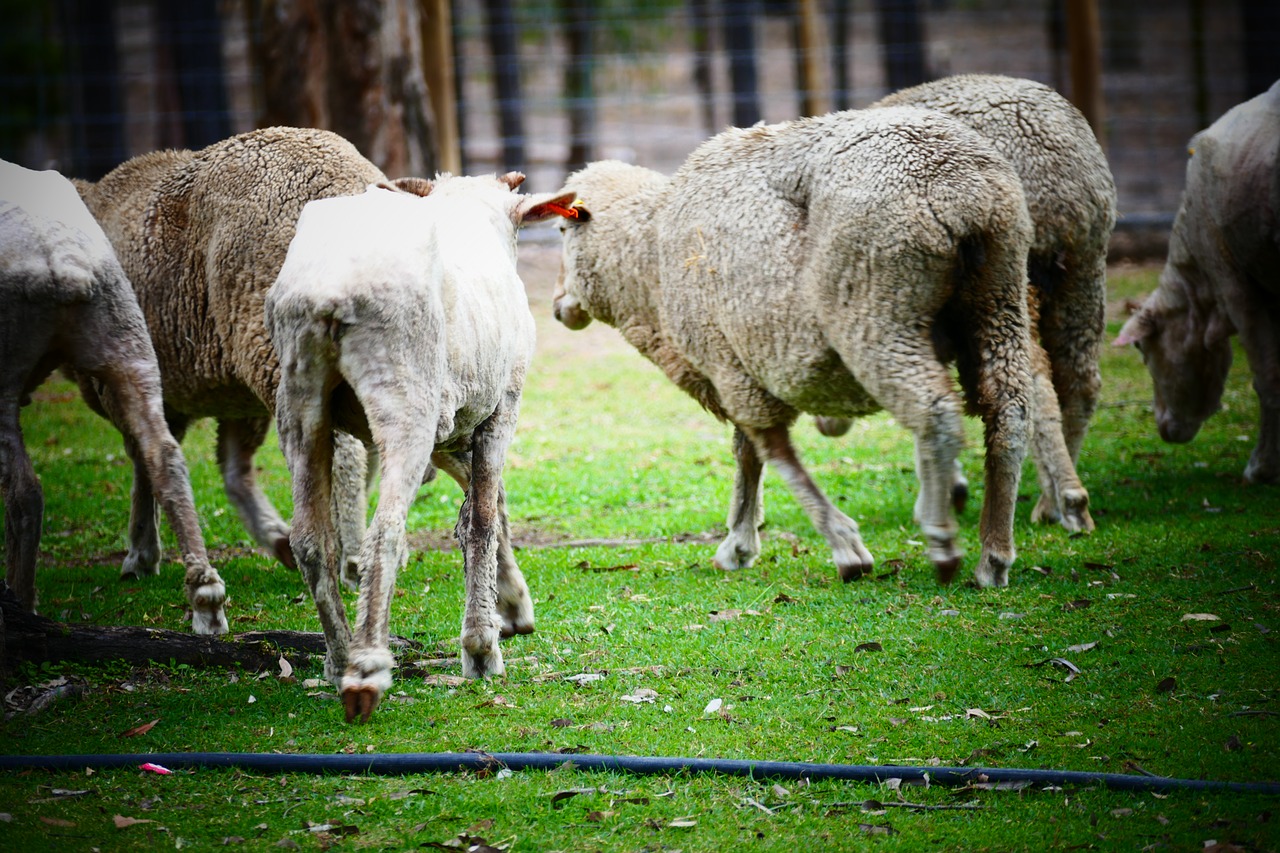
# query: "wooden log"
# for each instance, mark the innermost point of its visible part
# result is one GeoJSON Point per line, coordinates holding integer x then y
{"type": "Point", "coordinates": [29, 637]}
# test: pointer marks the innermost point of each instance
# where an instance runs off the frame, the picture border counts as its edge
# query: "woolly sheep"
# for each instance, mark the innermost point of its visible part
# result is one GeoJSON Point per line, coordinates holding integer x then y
{"type": "Point", "coordinates": [821, 266]}
{"type": "Point", "coordinates": [401, 319]}
{"type": "Point", "coordinates": [1222, 277]}
{"type": "Point", "coordinates": [65, 301]}
{"type": "Point", "coordinates": [1072, 200]}
{"type": "Point", "coordinates": [202, 236]}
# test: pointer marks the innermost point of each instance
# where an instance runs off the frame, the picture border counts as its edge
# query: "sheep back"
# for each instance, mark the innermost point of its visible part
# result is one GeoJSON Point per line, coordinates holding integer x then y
{"type": "Point", "coordinates": [215, 234]}
{"type": "Point", "coordinates": [1069, 188]}
{"type": "Point", "coordinates": [778, 240]}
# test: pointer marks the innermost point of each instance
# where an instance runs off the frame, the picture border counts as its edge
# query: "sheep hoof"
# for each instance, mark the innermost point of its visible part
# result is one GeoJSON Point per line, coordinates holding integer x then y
{"type": "Point", "coordinates": [138, 566]}
{"type": "Point", "coordinates": [359, 702]}
{"type": "Point", "coordinates": [959, 496]}
{"type": "Point", "coordinates": [283, 552]}
{"type": "Point", "coordinates": [855, 571]}
{"type": "Point", "coordinates": [1262, 470]}
{"type": "Point", "coordinates": [1046, 511]}
{"type": "Point", "coordinates": [947, 568]}
{"type": "Point", "coordinates": [351, 576]}
{"type": "Point", "coordinates": [1075, 511]}
{"type": "Point", "coordinates": [482, 663]}
{"type": "Point", "coordinates": [993, 571]}
{"type": "Point", "coordinates": [731, 556]}
{"type": "Point", "coordinates": [209, 623]}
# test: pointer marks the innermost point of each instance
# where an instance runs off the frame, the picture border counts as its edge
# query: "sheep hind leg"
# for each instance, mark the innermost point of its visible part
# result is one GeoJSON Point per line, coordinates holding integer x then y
{"type": "Point", "coordinates": [515, 604]}
{"type": "Point", "coordinates": [23, 504]}
{"type": "Point", "coordinates": [384, 551]}
{"type": "Point", "coordinates": [851, 557]}
{"type": "Point", "coordinates": [238, 440]}
{"type": "Point", "coordinates": [478, 534]}
{"type": "Point", "coordinates": [746, 508]}
{"type": "Point", "coordinates": [354, 468]}
{"type": "Point", "coordinates": [306, 436]}
{"type": "Point", "coordinates": [1063, 498]}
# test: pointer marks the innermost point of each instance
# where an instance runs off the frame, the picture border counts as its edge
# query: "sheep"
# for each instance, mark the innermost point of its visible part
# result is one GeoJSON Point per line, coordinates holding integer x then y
{"type": "Point", "coordinates": [1222, 277]}
{"type": "Point", "coordinates": [65, 301]}
{"type": "Point", "coordinates": [828, 265]}
{"type": "Point", "coordinates": [1071, 196]}
{"type": "Point", "coordinates": [202, 236]}
{"type": "Point", "coordinates": [400, 319]}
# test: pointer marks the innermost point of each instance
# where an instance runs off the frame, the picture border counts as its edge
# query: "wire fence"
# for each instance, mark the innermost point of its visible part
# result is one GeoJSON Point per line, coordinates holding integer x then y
{"type": "Point", "coordinates": [85, 84]}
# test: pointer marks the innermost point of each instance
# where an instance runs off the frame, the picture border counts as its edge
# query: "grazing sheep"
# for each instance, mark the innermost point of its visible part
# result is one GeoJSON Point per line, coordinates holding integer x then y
{"type": "Point", "coordinates": [1072, 200]}
{"type": "Point", "coordinates": [1222, 277]}
{"type": "Point", "coordinates": [202, 236]}
{"type": "Point", "coordinates": [831, 266]}
{"type": "Point", "coordinates": [65, 301]}
{"type": "Point", "coordinates": [400, 319]}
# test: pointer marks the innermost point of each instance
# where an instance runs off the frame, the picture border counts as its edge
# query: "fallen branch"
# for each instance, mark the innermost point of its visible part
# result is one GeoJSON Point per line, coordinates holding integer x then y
{"type": "Point", "coordinates": [29, 637]}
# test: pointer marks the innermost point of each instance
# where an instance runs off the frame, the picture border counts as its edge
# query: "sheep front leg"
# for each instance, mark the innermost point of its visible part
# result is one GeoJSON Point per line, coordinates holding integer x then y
{"type": "Point", "coordinates": [23, 500]}
{"type": "Point", "coordinates": [851, 557]}
{"type": "Point", "coordinates": [478, 525]}
{"type": "Point", "coordinates": [515, 605]}
{"type": "Point", "coordinates": [134, 388]}
{"type": "Point", "coordinates": [238, 440]}
{"type": "Point", "coordinates": [746, 508]}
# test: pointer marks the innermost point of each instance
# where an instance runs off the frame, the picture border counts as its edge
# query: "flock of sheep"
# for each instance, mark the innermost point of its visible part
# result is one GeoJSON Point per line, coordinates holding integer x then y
{"type": "Point", "coordinates": [835, 266]}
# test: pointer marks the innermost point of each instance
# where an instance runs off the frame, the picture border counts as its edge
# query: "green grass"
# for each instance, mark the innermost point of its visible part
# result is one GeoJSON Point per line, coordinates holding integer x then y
{"type": "Point", "coordinates": [608, 450]}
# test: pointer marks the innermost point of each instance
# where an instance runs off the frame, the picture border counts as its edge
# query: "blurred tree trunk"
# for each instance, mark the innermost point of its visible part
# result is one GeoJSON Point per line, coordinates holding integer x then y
{"type": "Point", "coordinates": [808, 47]}
{"type": "Point", "coordinates": [97, 106]}
{"type": "Point", "coordinates": [740, 43]}
{"type": "Point", "coordinates": [1085, 58]}
{"type": "Point", "coordinates": [902, 39]}
{"type": "Point", "coordinates": [190, 37]}
{"type": "Point", "coordinates": [700, 43]}
{"type": "Point", "coordinates": [504, 48]}
{"type": "Point", "coordinates": [579, 93]}
{"type": "Point", "coordinates": [1261, 20]}
{"type": "Point", "coordinates": [353, 67]}
{"type": "Point", "coordinates": [439, 67]}
{"type": "Point", "coordinates": [840, 86]}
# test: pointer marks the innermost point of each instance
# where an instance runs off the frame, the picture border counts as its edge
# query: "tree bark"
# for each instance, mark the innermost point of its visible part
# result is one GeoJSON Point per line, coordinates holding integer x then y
{"type": "Point", "coordinates": [579, 90]}
{"type": "Point", "coordinates": [503, 47]}
{"type": "Point", "coordinates": [353, 67]}
{"type": "Point", "coordinates": [902, 39]}
{"type": "Point", "coordinates": [740, 44]}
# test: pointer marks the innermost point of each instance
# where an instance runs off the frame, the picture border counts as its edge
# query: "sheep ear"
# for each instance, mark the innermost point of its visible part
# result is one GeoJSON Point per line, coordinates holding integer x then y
{"type": "Point", "coordinates": [413, 186]}
{"type": "Point", "coordinates": [1134, 329]}
{"type": "Point", "coordinates": [537, 208]}
{"type": "Point", "coordinates": [512, 179]}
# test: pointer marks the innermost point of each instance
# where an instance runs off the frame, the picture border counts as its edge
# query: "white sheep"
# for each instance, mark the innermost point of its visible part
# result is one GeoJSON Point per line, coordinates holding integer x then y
{"type": "Point", "coordinates": [202, 236]}
{"type": "Point", "coordinates": [65, 301]}
{"type": "Point", "coordinates": [400, 319]}
{"type": "Point", "coordinates": [1222, 277]}
{"type": "Point", "coordinates": [1071, 196]}
{"type": "Point", "coordinates": [831, 266]}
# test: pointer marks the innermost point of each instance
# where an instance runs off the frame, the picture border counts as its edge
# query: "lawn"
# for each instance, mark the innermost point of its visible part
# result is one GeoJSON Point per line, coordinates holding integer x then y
{"type": "Point", "coordinates": [1146, 647]}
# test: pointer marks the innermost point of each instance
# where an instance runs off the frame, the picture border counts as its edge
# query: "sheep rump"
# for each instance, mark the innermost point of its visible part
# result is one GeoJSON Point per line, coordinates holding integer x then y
{"type": "Point", "coordinates": [400, 319]}
{"type": "Point", "coordinates": [821, 266]}
{"type": "Point", "coordinates": [1071, 197]}
{"type": "Point", "coordinates": [202, 236]}
{"type": "Point", "coordinates": [66, 302]}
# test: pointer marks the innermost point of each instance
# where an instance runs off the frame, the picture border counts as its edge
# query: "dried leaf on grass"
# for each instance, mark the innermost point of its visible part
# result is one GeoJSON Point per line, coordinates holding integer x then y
{"type": "Point", "coordinates": [868, 647]}
{"type": "Point", "coordinates": [1200, 617]}
{"type": "Point", "coordinates": [1063, 663]}
{"type": "Point", "coordinates": [644, 694]}
{"type": "Point", "coordinates": [121, 821]}
{"type": "Point", "coordinates": [1166, 684]}
{"type": "Point", "coordinates": [139, 730]}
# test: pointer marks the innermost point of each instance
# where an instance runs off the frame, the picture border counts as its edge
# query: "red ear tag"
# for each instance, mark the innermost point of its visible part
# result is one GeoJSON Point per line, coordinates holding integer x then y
{"type": "Point", "coordinates": [566, 212]}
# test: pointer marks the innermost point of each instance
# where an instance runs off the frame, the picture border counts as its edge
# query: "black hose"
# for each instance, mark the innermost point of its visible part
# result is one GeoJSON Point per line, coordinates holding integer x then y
{"type": "Point", "coordinates": [392, 763]}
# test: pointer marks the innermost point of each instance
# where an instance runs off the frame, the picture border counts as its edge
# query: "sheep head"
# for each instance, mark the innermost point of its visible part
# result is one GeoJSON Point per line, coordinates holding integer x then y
{"type": "Point", "coordinates": [1188, 357]}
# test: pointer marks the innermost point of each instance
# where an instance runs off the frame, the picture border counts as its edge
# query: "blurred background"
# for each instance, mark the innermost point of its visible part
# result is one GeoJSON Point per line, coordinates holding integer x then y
{"type": "Point", "coordinates": [546, 85]}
